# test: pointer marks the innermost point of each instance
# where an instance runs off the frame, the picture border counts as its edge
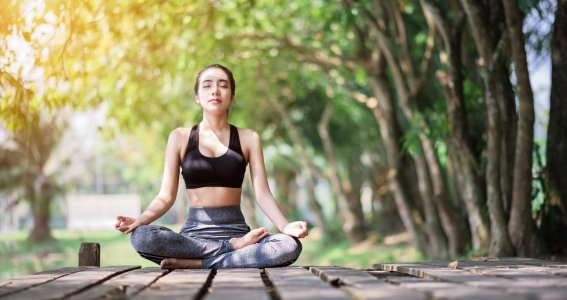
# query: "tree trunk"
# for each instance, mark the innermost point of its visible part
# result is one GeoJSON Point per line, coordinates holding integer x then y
{"type": "Point", "coordinates": [41, 230]}
{"type": "Point", "coordinates": [437, 245]}
{"type": "Point", "coordinates": [453, 86]}
{"type": "Point", "coordinates": [554, 224]}
{"type": "Point", "coordinates": [353, 225]}
{"type": "Point", "coordinates": [499, 241]}
{"type": "Point", "coordinates": [435, 234]}
{"type": "Point", "coordinates": [521, 227]}
{"type": "Point", "coordinates": [457, 238]}
{"type": "Point", "coordinates": [506, 99]}
{"type": "Point", "coordinates": [459, 145]}
{"type": "Point", "coordinates": [385, 116]}
{"type": "Point", "coordinates": [484, 34]}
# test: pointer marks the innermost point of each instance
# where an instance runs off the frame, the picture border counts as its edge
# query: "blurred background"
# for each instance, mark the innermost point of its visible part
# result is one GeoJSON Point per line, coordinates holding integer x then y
{"type": "Point", "coordinates": [400, 130]}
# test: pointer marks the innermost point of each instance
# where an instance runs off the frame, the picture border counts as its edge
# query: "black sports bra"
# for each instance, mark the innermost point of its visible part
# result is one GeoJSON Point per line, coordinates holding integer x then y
{"type": "Point", "coordinates": [226, 170]}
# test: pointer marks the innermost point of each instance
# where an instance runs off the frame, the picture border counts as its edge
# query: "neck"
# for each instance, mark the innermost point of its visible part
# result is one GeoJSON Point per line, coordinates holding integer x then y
{"type": "Point", "coordinates": [215, 123]}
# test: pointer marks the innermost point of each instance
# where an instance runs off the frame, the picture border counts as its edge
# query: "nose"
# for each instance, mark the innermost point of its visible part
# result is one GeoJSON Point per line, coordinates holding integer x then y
{"type": "Point", "coordinates": [215, 90]}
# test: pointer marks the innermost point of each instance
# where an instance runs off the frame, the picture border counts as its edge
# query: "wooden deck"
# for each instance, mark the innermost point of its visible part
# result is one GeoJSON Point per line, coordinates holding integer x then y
{"type": "Point", "coordinates": [511, 278]}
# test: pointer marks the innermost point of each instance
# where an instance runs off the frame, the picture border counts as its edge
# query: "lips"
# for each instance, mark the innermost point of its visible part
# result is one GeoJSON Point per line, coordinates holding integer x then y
{"type": "Point", "coordinates": [214, 100]}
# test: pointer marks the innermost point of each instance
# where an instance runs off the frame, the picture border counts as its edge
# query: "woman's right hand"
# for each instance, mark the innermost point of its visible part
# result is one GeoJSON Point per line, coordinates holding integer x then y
{"type": "Point", "coordinates": [126, 224]}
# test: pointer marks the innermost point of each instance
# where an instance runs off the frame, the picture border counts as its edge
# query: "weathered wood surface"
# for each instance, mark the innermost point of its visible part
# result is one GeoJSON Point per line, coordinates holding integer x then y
{"type": "Point", "coordinates": [238, 284]}
{"type": "Point", "coordinates": [124, 285]}
{"type": "Point", "coordinates": [74, 283]}
{"type": "Point", "coordinates": [89, 255]}
{"type": "Point", "coordinates": [298, 283]}
{"type": "Point", "coordinates": [179, 284]}
{"type": "Point", "coordinates": [26, 282]}
{"type": "Point", "coordinates": [508, 278]}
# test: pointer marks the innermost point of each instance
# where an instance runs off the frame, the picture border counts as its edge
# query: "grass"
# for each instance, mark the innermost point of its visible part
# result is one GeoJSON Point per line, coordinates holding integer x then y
{"type": "Point", "coordinates": [318, 251]}
{"type": "Point", "coordinates": [18, 257]}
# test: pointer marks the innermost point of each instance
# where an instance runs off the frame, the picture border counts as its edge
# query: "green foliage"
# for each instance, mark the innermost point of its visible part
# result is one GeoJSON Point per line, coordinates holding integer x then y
{"type": "Point", "coordinates": [138, 60]}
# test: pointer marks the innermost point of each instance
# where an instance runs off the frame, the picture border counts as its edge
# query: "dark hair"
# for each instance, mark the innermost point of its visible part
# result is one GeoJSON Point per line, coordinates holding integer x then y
{"type": "Point", "coordinates": [217, 66]}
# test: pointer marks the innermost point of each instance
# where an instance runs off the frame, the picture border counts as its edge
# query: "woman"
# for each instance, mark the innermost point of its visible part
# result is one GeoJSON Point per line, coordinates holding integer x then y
{"type": "Point", "coordinates": [213, 156]}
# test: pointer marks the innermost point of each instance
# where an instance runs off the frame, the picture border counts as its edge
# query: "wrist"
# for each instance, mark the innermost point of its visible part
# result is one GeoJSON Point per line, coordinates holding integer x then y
{"type": "Point", "coordinates": [141, 221]}
{"type": "Point", "coordinates": [282, 226]}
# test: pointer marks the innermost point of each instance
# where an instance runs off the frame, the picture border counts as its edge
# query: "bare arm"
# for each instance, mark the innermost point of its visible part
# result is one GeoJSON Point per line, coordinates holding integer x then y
{"type": "Point", "coordinates": [168, 192]}
{"type": "Point", "coordinates": [264, 196]}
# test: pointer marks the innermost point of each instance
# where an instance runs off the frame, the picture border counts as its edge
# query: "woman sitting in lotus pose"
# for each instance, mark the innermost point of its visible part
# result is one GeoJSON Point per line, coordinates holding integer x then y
{"type": "Point", "coordinates": [213, 156]}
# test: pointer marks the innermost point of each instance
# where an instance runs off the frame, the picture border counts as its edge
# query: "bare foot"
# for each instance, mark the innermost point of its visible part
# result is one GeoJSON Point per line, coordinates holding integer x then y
{"type": "Point", "coordinates": [178, 263]}
{"type": "Point", "coordinates": [250, 238]}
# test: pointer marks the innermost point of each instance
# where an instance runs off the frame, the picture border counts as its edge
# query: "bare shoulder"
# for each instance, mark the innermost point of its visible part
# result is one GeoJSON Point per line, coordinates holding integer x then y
{"type": "Point", "coordinates": [179, 134]}
{"type": "Point", "coordinates": [249, 142]}
{"type": "Point", "coordinates": [178, 137]}
{"type": "Point", "coordinates": [248, 137]}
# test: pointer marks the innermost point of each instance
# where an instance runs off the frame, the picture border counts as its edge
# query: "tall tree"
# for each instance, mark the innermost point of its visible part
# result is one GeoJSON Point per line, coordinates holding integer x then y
{"type": "Point", "coordinates": [554, 221]}
{"type": "Point", "coordinates": [459, 140]}
{"type": "Point", "coordinates": [522, 229]}
{"type": "Point", "coordinates": [24, 160]}
{"type": "Point", "coordinates": [484, 19]}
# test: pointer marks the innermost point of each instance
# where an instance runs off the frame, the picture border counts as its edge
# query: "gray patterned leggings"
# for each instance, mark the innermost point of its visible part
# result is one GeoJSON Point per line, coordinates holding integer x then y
{"type": "Point", "coordinates": [206, 236]}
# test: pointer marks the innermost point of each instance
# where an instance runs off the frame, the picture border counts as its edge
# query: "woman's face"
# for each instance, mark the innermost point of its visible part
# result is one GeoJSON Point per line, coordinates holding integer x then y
{"type": "Point", "coordinates": [214, 93]}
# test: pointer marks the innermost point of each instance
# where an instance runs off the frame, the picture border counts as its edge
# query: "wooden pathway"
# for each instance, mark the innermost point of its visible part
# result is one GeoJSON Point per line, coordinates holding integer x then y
{"type": "Point", "coordinates": [511, 278]}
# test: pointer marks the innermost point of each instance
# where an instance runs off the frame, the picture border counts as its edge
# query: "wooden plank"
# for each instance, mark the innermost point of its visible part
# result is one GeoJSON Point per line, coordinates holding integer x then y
{"type": "Point", "coordinates": [525, 269]}
{"type": "Point", "coordinates": [549, 270]}
{"type": "Point", "coordinates": [343, 276]}
{"type": "Point", "coordinates": [20, 284]}
{"type": "Point", "coordinates": [124, 285]}
{"type": "Point", "coordinates": [450, 290]}
{"type": "Point", "coordinates": [506, 280]}
{"type": "Point", "coordinates": [535, 292]}
{"type": "Point", "coordinates": [179, 284]}
{"type": "Point", "coordinates": [511, 262]}
{"type": "Point", "coordinates": [520, 274]}
{"type": "Point", "coordinates": [446, 274]}
{"type": "Point", "coordinates": [238, 284]}
{"type": "Point", "coordinates": [562, 265]}
{"type": "Point", "coordinates": [380, 274]}
{"type": "Point", "coordinates": [298, 283]}
{"type": "Point", "coordinates": [71, 284]}
{"type": "Point", "coordinates": [400, 280]}
{"type": "Point", "coordinates": [361, 285]}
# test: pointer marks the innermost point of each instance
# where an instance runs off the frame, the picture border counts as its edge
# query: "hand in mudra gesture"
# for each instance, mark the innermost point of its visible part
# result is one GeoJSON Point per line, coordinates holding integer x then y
{"type": "Point", "coordinates": [296, 229]}
{"type": "Point", "coordinates": [126, 224]}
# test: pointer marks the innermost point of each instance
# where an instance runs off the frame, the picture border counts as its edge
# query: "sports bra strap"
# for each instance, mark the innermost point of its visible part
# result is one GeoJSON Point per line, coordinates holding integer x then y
{"type": "Point", "coordinates": [234, 140]}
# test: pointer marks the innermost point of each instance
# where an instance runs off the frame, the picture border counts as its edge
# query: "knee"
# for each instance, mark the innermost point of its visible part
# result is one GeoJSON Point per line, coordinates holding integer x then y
{"type": "Point", "coordinates": [292, 246]}
{"type": "Point", "coordinates": [141, 238]}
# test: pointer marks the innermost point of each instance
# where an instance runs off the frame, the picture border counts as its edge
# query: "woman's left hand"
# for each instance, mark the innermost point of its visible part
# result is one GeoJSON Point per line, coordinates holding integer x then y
{"type": "Point", "coordinates": [296, 229]}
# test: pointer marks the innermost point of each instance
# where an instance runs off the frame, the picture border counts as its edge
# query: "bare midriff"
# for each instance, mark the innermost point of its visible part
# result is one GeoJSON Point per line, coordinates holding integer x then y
{"type": "Point", "coordinates": [213, 196]}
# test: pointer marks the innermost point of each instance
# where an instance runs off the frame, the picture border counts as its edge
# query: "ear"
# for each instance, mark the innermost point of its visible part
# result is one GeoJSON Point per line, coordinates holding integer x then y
{"type": "Point", "coordinates": [197, 99]}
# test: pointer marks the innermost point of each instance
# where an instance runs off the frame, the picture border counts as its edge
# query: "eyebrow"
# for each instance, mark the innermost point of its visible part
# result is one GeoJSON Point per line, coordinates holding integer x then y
{"type": "Point", "coordinates": [210, 80]}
